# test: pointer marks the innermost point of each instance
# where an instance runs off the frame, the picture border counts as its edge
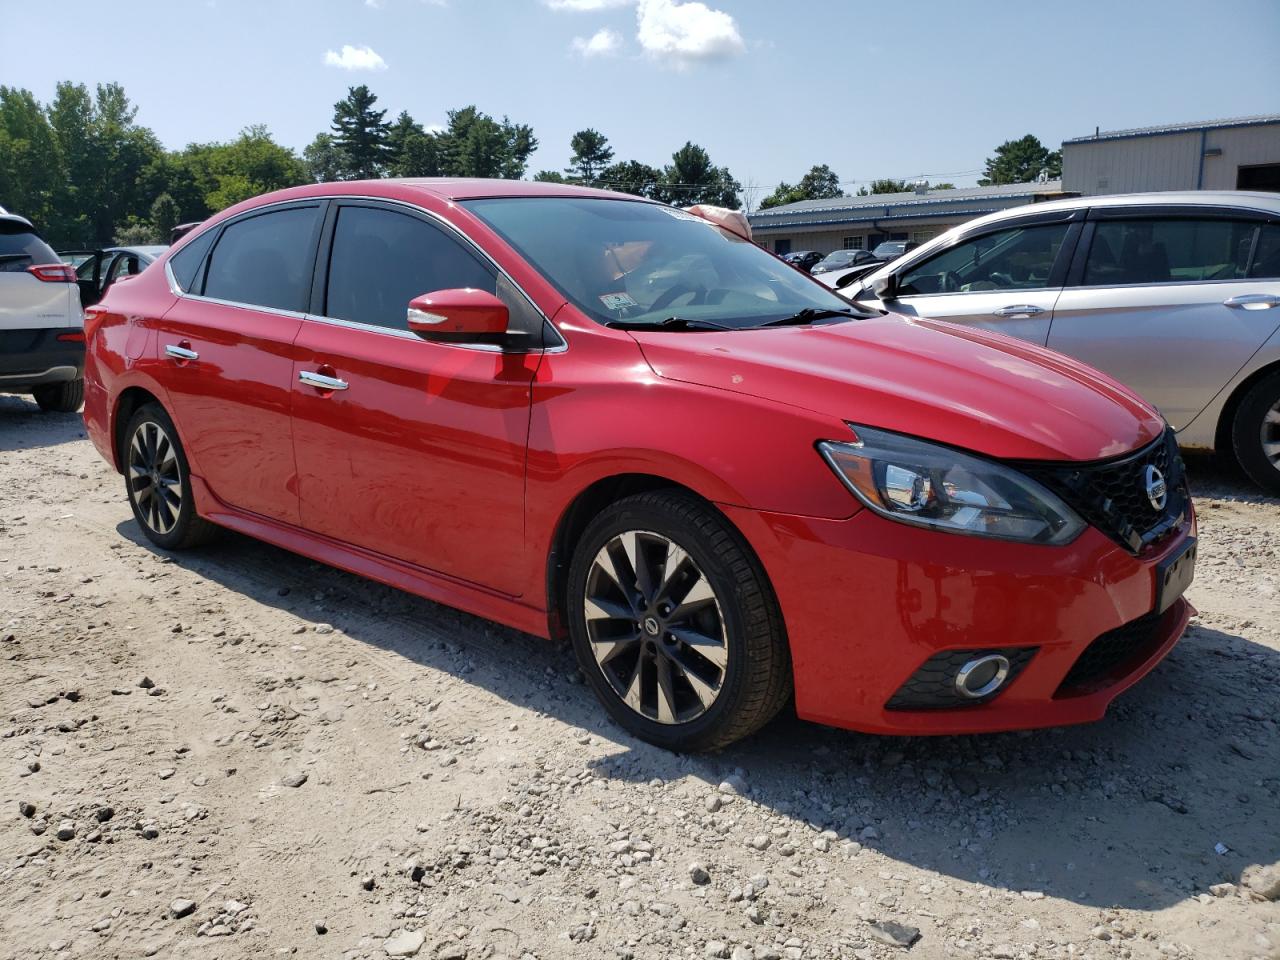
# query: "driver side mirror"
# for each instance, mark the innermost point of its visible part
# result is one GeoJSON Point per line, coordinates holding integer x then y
{"type": "Point", "coordinates": [459, 316]}
{"type": "Point", "coordinates": [886, 288]}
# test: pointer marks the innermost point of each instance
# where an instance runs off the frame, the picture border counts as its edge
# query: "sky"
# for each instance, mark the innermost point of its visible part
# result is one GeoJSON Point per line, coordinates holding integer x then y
{"type": "Point", "coordinates": [873, 88]}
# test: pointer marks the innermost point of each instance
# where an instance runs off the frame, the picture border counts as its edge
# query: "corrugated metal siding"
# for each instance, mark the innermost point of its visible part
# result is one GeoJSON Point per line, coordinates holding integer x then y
{"type": "Point", "coordinates": [1167, 162]}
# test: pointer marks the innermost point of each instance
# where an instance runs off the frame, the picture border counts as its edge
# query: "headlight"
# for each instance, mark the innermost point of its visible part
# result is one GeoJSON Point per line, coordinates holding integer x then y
{"type": "Point", "coordinates": [934, 486]}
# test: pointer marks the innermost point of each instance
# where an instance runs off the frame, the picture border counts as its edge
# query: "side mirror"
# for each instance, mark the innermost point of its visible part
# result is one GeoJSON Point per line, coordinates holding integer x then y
{"type": "Point", "coordinates": [886, 288]}
{"type": "Point", "coordinates": [459, 316]}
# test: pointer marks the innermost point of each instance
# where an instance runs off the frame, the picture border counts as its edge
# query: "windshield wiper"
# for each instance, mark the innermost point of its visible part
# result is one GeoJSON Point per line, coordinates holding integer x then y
{"type": "Point", "coordinates": [810, 314]}
{"type": "Point", "coordinates": [671, 323]}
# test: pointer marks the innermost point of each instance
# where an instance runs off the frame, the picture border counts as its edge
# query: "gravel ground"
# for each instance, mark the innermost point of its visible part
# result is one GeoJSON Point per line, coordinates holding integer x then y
{"type": "Point", "coordinates": [240, 753]}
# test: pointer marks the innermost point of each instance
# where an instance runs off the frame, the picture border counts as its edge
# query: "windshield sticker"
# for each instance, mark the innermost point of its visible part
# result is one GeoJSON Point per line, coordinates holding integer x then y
{"type": "Point", "coordinates": [617, 301]}
{"type": "Point", "coordinates": [683, 215]}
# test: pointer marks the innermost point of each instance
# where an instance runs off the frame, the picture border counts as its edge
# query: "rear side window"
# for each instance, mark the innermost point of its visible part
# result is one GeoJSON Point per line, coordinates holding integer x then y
{"type": "Point", "coordinates": [265, 260]}
{"type": "Point", "coordinates": [1020, 258]}
{"type": "Point", "coordinates": [1266, 259]}
{"type": "Point", "coordinates": [186, 263]}
{"type": "Point", "coordinates": [1168, 251]}
{"type": "Point", "coordinates": [382, 259]}
{"type": "Point", "coordinates": [20, 248]}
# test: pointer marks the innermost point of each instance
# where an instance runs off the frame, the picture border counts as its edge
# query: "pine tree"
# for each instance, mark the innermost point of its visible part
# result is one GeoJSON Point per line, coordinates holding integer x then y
{"type": "Point", "coordinates": [361, 135]}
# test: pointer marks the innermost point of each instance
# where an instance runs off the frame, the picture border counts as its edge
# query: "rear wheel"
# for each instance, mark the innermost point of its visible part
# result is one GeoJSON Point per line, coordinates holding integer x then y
{"type": "Point", "coordinates": [1255, 434]}
{"type": "Point", "coordinates": [60, 397]}
{"type": "Point", "coordinates": [675, 625]}
{"type": "Point", "coordinates": [158, 482]}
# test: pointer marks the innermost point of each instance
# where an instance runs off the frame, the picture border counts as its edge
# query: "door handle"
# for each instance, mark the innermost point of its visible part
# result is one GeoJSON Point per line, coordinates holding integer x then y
{"type": "Point", "coordinates": [320, 381]}
{"type": "Point", "coordinates": [181, 351]}
{"type": "Point", "coordinates": [1019, 310]}
{"type": "Point", "coordinates": [1252, 301]}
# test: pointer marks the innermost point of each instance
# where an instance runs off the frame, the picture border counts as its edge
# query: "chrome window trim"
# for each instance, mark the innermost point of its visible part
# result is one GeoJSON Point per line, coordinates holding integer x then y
{"type": "Point", "coordinates": [561, 347]}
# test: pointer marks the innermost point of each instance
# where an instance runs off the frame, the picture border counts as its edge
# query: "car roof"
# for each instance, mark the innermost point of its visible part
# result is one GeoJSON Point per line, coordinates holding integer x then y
{"type": "Point", "coordinates": [447, 188]}
{"type": "Point", "coordinates": [14, 218]}
{"type": "Point", "coordinates": [1244, 199]}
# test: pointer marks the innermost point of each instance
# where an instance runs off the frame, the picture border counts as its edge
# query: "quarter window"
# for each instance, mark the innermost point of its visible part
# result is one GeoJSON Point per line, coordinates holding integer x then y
{"type": "Point", "coordinates": [185, 264]}
{"type": "Point", "coordinates": [382, 259]}
{"type": "Point", "coordinates": [265, 260]}
{"type": "Point", "coordinates": [1020, 258]}
{"type": "Point", "coordinates": [1167, 251]}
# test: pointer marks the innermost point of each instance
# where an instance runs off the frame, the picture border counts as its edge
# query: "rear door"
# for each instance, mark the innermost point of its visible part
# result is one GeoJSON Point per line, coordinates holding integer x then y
{"type": "Point", "coordinates": [1005, 278]}
{"type": "Point", "coordinates": [1170, 301]}
{"type": "Point", "coordinates": [415, 450]}
{"type": "Point", "coordinates": [226, 353]}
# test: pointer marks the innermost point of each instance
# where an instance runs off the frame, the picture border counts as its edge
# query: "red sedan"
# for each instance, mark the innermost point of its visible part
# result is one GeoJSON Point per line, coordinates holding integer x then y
{"type": "Point", "coordinates": [574, 411]}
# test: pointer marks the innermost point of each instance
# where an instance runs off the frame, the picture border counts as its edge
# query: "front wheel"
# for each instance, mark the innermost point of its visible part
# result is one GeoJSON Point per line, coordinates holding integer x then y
{"type": "Point", "coordinates": [1255, 434]}
{"type": "Point", "coordinates": [158, 481]}
{"type": "Point", "coordinates": [675, 625]}
{"type": "Point", "coordinates": [60, 397]}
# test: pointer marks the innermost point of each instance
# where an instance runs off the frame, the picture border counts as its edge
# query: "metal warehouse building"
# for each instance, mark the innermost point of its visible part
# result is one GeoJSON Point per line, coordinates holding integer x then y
{"type": "Point", "coordinates": [1240, 154]}
{"type": "Point", "coordinates": [859, 223]}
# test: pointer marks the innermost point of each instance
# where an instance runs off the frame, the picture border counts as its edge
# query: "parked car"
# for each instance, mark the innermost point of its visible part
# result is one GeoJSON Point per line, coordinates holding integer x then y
{"type": "Point", "coordinates": [843, 260]}
{"type": "Point", "coordinates": [892, 249]}
{"type": "Point", "coordinates": [803, 259]}
{"type": "Point", "coordinates": [1173, 294]}
{"type": "Point", "coordinates": [97, 270]}
{"type": "Point", "coordinates": [41, 331]}
{"type": "Point", "coordinates": [584, 413]}
{"type": "Point", "coordinates": [840, 279]}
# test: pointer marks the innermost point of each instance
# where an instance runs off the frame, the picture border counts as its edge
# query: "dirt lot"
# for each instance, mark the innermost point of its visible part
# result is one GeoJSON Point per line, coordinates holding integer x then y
{"type": "Point", "coordinates": [325, 767]}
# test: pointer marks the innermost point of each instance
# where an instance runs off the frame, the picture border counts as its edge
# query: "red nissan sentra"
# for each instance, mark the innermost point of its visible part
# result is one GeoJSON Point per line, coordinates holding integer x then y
{"type": "Point", "coordinates": [574, 411]}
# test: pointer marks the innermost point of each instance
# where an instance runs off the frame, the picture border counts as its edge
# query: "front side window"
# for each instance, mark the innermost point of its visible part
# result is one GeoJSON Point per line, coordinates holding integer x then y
{"type": "Point", "coordinates": [265, 260]}
{"type": "Point", "coordinates": [624, 260]}
{"type": "Point", "coordinates": [1167, 251]}
{"type": "Point", "coordinates": [1019, 258]}
{"type": "Point", "coordinates": [381, 259]}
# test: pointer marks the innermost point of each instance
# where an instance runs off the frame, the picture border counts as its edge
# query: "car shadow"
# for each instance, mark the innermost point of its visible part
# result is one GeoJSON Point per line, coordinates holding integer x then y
{"type": "Point", "coordinates": [24, 426]}
{"type": "Point", "coordinates": [1126, 812]}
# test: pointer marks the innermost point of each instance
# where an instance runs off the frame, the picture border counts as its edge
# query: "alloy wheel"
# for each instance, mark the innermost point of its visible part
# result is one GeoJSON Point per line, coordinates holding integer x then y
{"type": "Point", "coordinates": [655, 627]}
{"type": "Point", "coordinates": [155, 476]}
{"type": "Point", "coordinates": [1271, 435]}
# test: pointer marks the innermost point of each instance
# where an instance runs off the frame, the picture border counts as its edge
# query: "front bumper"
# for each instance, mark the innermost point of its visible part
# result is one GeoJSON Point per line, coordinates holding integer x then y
{"type": "Point", "coordinates": [37, 358]}
{"type": "Point", "coordinates": [868, 601]}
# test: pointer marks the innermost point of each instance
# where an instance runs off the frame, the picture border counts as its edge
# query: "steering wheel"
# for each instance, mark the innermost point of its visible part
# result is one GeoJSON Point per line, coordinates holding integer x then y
{"type": "Point", "coordinates": [951, 282]}
{"type": "Point", "coordinates": [676, 290]}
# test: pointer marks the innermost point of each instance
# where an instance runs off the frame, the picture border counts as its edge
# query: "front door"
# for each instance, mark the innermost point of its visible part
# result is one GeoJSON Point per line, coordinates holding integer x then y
{"type": "Point", "coordinates": [410, 449]}
{"type": "Point", "coordinates": [1006, 280]}
{"type": "Point", "coordinates": [1171, 306]}
{"type": "Point", "coordinates": [226, 352]}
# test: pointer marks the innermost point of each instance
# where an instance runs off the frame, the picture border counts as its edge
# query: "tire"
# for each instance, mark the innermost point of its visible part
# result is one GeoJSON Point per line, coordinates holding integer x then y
{"type": "Point", "coordinates": [1255, 433]}
{"type": "Point", "coordinates": [154, 460]}
{"type": "Point", "coordinates": [60, 397]}
{"type": "Point", "coordinates": [708, 668]}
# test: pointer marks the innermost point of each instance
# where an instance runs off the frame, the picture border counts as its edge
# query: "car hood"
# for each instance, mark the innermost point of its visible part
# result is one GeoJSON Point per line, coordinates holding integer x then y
{"type": "Point", "coordinates": [964, 387]}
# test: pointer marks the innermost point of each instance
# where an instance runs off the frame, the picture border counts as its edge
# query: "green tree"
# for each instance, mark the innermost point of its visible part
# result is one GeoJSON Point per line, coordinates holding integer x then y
{"type": "Point", "coordinates": [164, 216]}
{"type": "Point", "coordinates": [591, 154]}
{"type": "Point", "coordinates": [692, 178]}
{"type": "Point", "coordinates": [476, 145]}
{"type": "Point", "coordinates": [820, 183]}
{"type": "Point", "coordinates": [226, 173]}
{"type": "Point", "coordinates": [630, 176]}
{"type": "Point", "coordinates": [885, 186]}
{"type": "Point", "coordinates": [414, 152]}
{"type": "Point", "coordinates": [945, 185]}
{"type": "Point", "coordinates": [361, 135]}
{"type": "Point", "coordinates": [31, 170]}
{"type": "Point", "coordinates": [322, 159]}
{"type": "Point", "coordinates": [550, 176]}
{"type": "Point", "coordinates": [1021, 161]}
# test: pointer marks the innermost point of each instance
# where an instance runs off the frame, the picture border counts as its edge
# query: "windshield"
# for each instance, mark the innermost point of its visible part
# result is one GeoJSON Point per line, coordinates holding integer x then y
{"type": "Point", "coordinates": [621, 260]}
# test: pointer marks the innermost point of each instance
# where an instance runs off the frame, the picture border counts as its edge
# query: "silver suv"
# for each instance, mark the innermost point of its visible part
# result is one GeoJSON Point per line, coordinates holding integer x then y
{"type": "Point", "coordinates": [1173, 294]}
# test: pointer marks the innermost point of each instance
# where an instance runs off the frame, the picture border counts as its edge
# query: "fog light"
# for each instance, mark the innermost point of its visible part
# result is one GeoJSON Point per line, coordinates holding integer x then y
{"type": "Point", "coordinates": [982, 676]}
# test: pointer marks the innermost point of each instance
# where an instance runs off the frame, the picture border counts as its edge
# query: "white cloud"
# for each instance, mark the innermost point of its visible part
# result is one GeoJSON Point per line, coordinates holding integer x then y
{"type": "Point", "coordinates": [354, 58]}
{"type": "Point", "coordinates": [683, 32]}
{"type": "Point", "coordinates": [602, 43]}
{"type": "Point", "coordinates": [586, 6]}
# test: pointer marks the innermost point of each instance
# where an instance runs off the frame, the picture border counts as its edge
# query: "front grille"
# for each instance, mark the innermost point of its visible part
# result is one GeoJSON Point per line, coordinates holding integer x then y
{"type": "Point", "coordinates": [1112, 495]}
{"type": "Point", "coordinates": [1110, 656]}
{"type": "Point", "coordinates": [933, 686]}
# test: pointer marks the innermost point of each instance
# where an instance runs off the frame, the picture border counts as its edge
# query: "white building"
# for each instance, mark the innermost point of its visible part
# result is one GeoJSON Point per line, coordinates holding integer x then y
{"type": "Point", "coordinates": [1239, 154]}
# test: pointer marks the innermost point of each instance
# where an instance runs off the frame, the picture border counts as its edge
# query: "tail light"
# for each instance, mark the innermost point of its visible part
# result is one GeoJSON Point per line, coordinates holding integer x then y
{"type": "Point", "coordinates": [53, 272]}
